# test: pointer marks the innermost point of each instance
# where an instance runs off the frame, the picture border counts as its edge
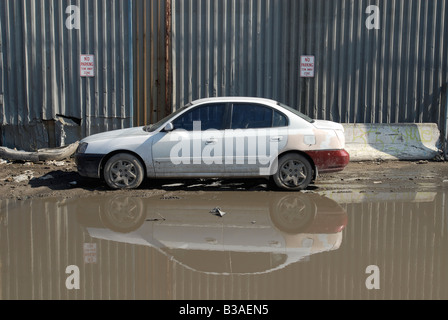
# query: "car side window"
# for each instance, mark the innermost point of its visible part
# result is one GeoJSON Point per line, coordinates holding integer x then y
{"type": "Point", "coordinates": [253, 116]}
{"type": "Point", "coordinates": [210, 117]}
{"type": "Point", "coordinates": [279, 120]}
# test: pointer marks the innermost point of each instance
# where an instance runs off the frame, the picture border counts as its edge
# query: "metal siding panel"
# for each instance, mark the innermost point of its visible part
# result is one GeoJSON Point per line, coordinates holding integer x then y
{"type": "Point", "coordinates": [40, 59]}
{"type": "Point", "coordinates": [224, 48]}
{"type": "Point", "coordinates": [147, 33]}
{"type": "Point", "coordinates": [150, 78]}
{"type": "Point", "coordinates": [2, 70]}
{"type": "Point", "coordinates": [395, 74]}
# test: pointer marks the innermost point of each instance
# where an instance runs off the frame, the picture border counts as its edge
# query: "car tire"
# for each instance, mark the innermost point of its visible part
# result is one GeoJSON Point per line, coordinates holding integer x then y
{"type": "Point", "coordinates": [294, 173]}
{"type": "Point", "coordinates": [123, 171]}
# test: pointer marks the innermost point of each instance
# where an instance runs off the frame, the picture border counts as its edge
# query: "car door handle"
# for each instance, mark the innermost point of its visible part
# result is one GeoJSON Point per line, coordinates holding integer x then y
{"type": "Point", "coordinates": [279, 138]}
{"type": "Point", "coordinates": [211, 141]}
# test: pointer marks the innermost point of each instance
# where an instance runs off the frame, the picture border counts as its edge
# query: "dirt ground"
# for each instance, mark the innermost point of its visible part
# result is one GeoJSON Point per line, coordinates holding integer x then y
{"type": "Point", "coordinates": [24, 180]}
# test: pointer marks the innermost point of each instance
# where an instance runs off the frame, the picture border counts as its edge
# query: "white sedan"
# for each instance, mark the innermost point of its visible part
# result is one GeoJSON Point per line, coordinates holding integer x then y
{"type": "Point", "coordinates": [227, 137]}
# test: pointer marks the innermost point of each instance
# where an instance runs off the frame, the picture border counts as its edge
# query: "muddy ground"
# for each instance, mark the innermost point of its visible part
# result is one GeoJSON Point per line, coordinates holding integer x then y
{"type": "Point", "coordinates": [24, 180]}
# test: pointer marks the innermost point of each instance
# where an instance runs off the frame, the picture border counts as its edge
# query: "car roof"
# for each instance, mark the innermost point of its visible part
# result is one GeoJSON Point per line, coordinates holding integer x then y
{"type": "Point", "coordinates": [234, 99]}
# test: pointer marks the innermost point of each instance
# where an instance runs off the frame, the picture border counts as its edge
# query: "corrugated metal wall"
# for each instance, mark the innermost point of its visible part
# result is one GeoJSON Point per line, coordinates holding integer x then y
{"type": "Point", "coordinates": [45, 101]}
{"type": "Point", "coordinates": [180, 50]}
{"type": "Point", "coordinates": [152, 26]}
{"type": "Point", "coordinates": [398, 73]}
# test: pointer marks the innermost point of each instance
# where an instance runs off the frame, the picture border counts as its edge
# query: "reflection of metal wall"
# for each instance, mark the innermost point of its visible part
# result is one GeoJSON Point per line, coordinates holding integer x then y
{"type": "Point", "coordinates": [406, 241]}
{"type": "Point", "coordinates": [45, 101]}
{"type": "Point", "coordinates": [395, 74]}
{"type": "Point", "coordinates": [39, 238]}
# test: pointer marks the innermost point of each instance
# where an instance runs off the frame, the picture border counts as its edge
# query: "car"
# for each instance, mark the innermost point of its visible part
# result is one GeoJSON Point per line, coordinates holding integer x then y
{"type": "Point", "coordinates": [220, 137]}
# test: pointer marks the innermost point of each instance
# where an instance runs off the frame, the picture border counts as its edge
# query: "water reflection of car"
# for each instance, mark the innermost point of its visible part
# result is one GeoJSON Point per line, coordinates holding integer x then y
{"type": "Point", "coordinates": [256, 231]}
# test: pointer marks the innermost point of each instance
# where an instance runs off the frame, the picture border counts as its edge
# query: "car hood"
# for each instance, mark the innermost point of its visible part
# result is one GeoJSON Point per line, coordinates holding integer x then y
{"type": "Point", "coordinates": [323, 124]}
{"type": "Point", "coordinates": [138, 131]}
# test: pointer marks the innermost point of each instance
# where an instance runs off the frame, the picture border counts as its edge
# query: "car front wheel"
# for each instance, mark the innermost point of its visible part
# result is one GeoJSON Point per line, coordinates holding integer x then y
{"type": "Point", "coordinates": [123, 171]}
{"type": "Point", "coordinates": [294, 173]}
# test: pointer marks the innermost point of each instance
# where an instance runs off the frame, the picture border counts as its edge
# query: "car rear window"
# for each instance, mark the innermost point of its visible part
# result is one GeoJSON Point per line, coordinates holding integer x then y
{"type": "Point", "coordinates": [296, 112]}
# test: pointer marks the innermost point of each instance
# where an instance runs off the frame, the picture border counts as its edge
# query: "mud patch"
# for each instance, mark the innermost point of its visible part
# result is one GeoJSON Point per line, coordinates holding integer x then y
{"type": "Point", "coordinates": [62, 179]}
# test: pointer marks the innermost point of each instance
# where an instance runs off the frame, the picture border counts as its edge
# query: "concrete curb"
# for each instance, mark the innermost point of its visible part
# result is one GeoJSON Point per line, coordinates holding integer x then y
{"type": "Point", "coordinates": [408, 141]}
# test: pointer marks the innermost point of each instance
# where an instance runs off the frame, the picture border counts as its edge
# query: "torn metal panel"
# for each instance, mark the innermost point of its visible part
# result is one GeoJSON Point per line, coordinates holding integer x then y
{"type": "Point", "coordinates": [28, 137]}
{"type": "Point", "coordinates": [67, 130]}
{"type": "Point", "coordinates": [35, 135]}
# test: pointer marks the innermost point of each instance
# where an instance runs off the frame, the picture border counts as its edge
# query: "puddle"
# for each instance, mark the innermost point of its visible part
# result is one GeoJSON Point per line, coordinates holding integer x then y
{"type": "Point", "coordinates": [268, 245]}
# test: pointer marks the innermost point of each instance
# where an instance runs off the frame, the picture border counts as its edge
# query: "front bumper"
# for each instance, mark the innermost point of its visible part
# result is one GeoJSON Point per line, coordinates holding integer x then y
{"type": "Point", "coordinates": [89, 165]}
{"type": "Point", "coordinates": [327, 161]}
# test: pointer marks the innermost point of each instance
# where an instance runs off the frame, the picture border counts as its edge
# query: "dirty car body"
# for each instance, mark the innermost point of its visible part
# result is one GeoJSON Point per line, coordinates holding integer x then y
{"type": "Point", "coordinates": [227, 137]}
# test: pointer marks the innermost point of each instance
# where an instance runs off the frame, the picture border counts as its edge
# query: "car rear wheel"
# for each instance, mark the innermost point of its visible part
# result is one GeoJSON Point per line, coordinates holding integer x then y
{"type": "Point", "coordinates": [123, 171]}
{"type": "Point", "coordinates": [294, 173]}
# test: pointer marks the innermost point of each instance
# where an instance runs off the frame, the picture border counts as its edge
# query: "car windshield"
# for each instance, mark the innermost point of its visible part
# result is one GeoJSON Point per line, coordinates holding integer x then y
{"type": "Point", "coordinates": [296, 112]}
{"type": "Point", "coordinates": [155, 126]}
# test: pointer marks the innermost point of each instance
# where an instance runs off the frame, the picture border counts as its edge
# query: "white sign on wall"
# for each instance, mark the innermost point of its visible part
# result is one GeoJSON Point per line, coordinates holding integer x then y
{"type": "Point", "coordinates": [307, 66]}
{"type": "Point", "coordinates": [87, 65]}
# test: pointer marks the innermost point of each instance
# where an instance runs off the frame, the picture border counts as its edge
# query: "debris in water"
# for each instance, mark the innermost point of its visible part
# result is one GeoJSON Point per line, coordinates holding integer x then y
{"type": "Point", "coordinates": [156, 219]}
{"type": "Point", "coordinates": [218, 212]}
{"type": "Point", "coordinates": [169, 197]}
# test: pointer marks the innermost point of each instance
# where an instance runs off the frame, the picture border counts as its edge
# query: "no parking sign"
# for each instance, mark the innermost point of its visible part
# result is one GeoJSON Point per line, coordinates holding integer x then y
{"type": "Point", "coordinates": [87, 65]}
{"type": "Point", "coordinates": [307, 66]}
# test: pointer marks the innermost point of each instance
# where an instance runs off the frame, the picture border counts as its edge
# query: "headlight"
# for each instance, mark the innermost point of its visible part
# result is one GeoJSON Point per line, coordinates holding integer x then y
{"type": "Point", "coordinates": [82, 147]}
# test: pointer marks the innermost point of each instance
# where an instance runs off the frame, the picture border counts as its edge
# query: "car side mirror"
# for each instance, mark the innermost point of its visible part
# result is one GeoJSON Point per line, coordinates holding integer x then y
{"type": "Point", "coordinates": [169, 127]}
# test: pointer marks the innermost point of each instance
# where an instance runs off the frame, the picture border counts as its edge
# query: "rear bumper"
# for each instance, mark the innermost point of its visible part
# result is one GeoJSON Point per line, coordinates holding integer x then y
{"type": "Point", "coordinates": [89, 165]}
{"type": "Point", "coordinates": [330, 160]}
